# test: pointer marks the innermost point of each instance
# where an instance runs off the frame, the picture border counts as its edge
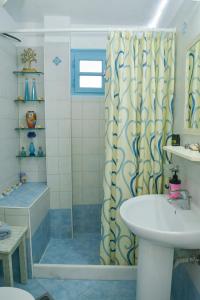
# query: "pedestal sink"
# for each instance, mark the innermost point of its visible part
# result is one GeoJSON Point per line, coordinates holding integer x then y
{"type": "Point", "coordinates": [161, 227]}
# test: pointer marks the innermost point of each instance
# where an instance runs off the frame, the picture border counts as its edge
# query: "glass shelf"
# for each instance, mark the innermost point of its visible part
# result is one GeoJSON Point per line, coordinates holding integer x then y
{"type": "Point", "coordinates": [19, 156]}
{"type": "Point", "coordinates": [42, 128]}
{"type": "Point", "coordinates": [27, 73]}
{"type": "Point", "coordinates": [27, 101]}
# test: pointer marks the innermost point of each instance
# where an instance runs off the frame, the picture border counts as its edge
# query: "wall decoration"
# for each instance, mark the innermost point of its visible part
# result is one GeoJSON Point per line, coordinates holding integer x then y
{"type": "Point", "coordinates": [31, 119]}
{"type": "Point", "coordinates": [28, 57]}
{"type": "Point", "coordinates": [20, 98]}
{"type": "Point", "coordinates": [57, 61]}
{"type": "Point", "coordinates": [31, 135]}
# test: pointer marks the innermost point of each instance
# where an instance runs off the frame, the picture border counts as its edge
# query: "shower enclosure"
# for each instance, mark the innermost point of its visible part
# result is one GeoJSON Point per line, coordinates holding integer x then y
{"type": "Point", "coordinates": [75, 162]}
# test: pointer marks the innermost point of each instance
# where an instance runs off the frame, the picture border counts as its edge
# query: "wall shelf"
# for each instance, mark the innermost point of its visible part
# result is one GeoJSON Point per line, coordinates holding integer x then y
{"type": "Point", "coordinates": [28, 101]}
{"type": "Point", "coordinates": [27, 73]}
{"type": "Point", "coordinates": [22, 157]}
{"type": "Point", "coordinates": [40, 128]}
{"type": "Point", "coordinates": [182, 152]}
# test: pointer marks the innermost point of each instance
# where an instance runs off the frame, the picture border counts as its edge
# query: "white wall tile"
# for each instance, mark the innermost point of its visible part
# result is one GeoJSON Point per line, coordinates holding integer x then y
{"type": "Point", "coordinates": [66, 199]}
{"type": "Point", "coordinates": [77, 128]}
{"type": "Point", "coordinates": [64, 147]}
{"type": "Point", "coordinates": [91, 110]}
{"type": "Point", "coordinates": [65, 183]}
{"type": "Point", "coordinates": [90, 128]}
{"type": "Point", "coordinates": [52, 165]}
{"type": "Point", "coordinates": [54, 199]}
{"type": "Point", "coordinates": [77, 146]}
{"type": "Point", "coordinates": [63, 109]}
{"type": "Point", "coordinates": [90, 196]}
{"type": "Point", "coordinates": [64, 128]}
{"type": "Point", "coordinates": [91, 146]}
{"type": "Point", "coordinates": [76, 110]}
{"type": "Point", "coordinates": [52, 128]}
{"type": "Point", "coordinates": [52, 147]}
{"type": "Point", "coordinates": [53, 182]}
{"type": "Point", "coordinates": [77, 162]}
{"type": "Point", "coordinates": [64, 164]}
{"type": "Point", "coordinates": [90, 162]}
{"type": "Point", "coordinates": [90, 179]}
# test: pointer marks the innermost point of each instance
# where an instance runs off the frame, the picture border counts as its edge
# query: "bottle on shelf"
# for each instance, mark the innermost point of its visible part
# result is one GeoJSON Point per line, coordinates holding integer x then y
{"type": "Point", "coordinates": [34, 90]}
{"type": "Point", "coordinates": [32, 149]}
{"type": "Point", "coordinates": [26, 93]}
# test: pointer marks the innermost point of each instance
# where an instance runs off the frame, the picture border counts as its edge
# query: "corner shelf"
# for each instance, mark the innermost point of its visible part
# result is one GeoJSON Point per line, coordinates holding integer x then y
{"type": "Point", "coordinates": [26, 128]}
{"type": "Point", "coordinates": [27, 73]}
{"type": "Point", "coordinates": [28, 101]}
{"type": "Point", "coordinates": [22, 157]}
{"type": "Point", "coordinates": [182, 152]}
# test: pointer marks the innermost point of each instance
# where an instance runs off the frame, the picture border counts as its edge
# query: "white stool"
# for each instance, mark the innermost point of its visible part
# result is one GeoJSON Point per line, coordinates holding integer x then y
{"type": "Point", "coordinates": [9, 293]}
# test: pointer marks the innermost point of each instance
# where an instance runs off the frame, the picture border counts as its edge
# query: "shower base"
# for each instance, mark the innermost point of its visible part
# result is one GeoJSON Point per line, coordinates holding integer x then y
{"type": "Point", "coordinates": [82, 249]}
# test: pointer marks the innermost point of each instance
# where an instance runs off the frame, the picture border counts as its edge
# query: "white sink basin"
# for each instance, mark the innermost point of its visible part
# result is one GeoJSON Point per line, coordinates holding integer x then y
{"type": "Point", "coordinates": [152, 217]}
{"type": "Point", "coordinates": [161, 227]}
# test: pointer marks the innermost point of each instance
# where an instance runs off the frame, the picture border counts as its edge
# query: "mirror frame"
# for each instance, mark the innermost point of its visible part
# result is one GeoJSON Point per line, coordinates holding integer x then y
{"type": "Point", "coordinates": [191, 131]}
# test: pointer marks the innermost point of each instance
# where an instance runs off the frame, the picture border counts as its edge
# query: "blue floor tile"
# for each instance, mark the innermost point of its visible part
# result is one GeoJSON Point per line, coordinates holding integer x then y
{"type": "Point", "coordinates": [83, 249]}
{"type": "Point", "coordinates": [81, 289]}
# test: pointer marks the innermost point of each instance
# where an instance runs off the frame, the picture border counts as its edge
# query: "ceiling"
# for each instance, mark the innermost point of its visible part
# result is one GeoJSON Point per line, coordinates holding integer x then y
{"type": "Point", "coordinates": [109, 12]}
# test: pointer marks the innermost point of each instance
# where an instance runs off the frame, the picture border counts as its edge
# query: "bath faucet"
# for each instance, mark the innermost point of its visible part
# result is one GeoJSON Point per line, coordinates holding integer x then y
{"type": "Point", "coordinates": [184, 201]}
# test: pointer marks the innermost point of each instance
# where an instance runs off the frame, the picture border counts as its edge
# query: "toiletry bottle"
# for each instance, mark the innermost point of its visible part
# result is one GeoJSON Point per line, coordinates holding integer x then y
{"type": "Point", "coordinates": [174, 185]}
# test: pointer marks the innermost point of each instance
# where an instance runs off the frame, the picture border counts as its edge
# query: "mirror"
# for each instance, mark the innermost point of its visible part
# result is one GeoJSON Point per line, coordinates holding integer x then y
{"type": "Point", "coordinates": [192, 112]}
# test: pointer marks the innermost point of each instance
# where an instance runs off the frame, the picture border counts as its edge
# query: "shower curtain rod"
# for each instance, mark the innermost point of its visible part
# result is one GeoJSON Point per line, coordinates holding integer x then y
{"type": "Point", "coordinates": [88, 29]}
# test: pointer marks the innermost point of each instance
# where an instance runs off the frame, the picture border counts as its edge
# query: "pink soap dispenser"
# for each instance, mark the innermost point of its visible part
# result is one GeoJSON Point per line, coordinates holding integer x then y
{"type": "Point", "coordinates": [174, 185]}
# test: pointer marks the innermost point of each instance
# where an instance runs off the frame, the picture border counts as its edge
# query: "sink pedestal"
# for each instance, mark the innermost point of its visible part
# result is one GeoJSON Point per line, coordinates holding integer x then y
{"type": "Point", "coordinates": [154, 273]}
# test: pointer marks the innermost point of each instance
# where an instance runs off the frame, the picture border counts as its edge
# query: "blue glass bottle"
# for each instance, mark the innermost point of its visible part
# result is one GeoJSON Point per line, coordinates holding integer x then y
{"type": "Point", "coordinates": [31, 149]}
{"type": "Point", "coordinates": [27, 93]}
{"type": "Point", "coordinates": [34, 91]}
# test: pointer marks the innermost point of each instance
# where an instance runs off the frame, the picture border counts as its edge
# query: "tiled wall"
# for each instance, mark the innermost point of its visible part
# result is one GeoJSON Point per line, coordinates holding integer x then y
{"type": "Point", "coordinates": [87, 149]}
{"type": "Point", "coordinates": [58, 124]}
{"type": "Point", "coordinates": [8, 115]}
{"type": "Point", "coordinates": [34, 168]}
{"type": "Point", "coordinates": [182, 285]}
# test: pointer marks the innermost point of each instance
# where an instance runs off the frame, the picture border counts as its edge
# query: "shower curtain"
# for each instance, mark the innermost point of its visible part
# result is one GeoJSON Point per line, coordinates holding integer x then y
{"type": "Point", "coordinates": [139, 93]}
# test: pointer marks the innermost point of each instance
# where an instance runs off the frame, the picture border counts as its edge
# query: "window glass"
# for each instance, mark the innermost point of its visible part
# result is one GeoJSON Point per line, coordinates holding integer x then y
{"type": "Point", "coordinates": [90, 66]}
{"type": "Point", "coordinates": [91, 82]}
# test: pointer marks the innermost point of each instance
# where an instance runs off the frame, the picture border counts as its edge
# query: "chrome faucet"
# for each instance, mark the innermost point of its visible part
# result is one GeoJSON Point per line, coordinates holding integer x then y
{"type": "Point", "coordinates": [184, 201]}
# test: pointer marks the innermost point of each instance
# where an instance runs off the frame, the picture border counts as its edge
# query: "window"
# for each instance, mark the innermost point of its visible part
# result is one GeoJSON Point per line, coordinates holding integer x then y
{"type": "Point", "coordinates": [87, 71]}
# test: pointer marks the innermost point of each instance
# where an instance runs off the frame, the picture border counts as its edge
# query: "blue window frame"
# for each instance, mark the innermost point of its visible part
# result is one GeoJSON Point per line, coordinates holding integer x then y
{"type": "Point", "coordinates": [87, 71]}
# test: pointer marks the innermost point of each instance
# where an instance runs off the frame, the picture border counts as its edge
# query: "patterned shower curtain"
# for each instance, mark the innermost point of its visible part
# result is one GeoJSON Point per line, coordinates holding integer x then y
{"type": "Point", "coordinates": [139, 119]}
{"type": "Point", "coordinates": [193, 86]}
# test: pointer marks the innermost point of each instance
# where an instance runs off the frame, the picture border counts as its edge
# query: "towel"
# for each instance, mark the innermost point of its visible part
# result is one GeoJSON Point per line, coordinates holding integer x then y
{"type": "Point", "coordinates": [5, 231]}
{"type": "Point", "coordinates": [4, 236]}
{"type": "Point", "coordinates": [5, 228]}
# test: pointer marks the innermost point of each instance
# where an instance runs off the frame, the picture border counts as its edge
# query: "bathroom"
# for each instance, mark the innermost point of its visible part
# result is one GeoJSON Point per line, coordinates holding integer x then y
{"type": "Point", "coordinates": [74, 149]}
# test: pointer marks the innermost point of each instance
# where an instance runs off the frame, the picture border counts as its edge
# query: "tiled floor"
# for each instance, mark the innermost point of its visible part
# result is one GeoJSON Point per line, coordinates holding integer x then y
{"type": "Point", "coordinates": [83, 249]}
{"type": "Point", "coordinates": [81, 289]}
